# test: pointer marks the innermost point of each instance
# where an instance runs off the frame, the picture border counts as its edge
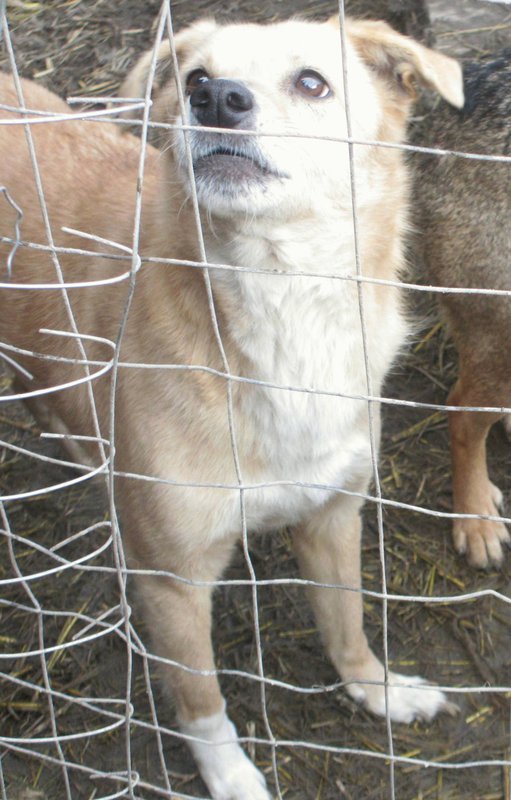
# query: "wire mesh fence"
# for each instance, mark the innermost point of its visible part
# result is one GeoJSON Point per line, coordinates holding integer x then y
{"type": "Point", "coordinates": [82, 709]}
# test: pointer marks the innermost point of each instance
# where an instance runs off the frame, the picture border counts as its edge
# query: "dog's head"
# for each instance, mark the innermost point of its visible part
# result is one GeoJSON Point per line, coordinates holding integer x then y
{"type": "Point", "coordinates": [299, 93]}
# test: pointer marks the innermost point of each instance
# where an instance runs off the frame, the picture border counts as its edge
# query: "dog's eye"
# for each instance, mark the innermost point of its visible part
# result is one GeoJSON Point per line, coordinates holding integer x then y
{"type": "Point", "coordinates": [312, 84]}
{"type": "Point", "coordinates": [195, 78]}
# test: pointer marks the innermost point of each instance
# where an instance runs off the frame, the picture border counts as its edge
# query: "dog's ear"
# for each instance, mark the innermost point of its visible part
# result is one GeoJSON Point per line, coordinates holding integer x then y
{"type": "Point", "coordinates": [404, 61]}
{"type": "Point", "coordinates": [135, 84]}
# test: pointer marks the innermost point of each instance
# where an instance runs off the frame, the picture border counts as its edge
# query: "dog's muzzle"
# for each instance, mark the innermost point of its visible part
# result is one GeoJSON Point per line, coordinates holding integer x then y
{"type": "Point", "coordinates": [227, 163]}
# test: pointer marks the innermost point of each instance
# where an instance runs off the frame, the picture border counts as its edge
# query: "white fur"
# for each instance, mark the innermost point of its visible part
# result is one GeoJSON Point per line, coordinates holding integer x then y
{"type": "Point", "coordinates": [227, 771]}
{"type": "Point", "coordinates": [306, 160]}
{"type": "Point", "coordinates": [408, 697]}
{"type": "Point", "coordinates": [302, 332]}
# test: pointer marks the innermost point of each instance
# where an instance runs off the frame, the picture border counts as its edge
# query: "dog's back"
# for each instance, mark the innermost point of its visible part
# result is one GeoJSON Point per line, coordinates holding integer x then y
{"type": "Point", "coordinates": [467, 198]}
{"type": "Point", "coordinates": [88, 179]}
{"type": "Point", "coordinates": [62, 149]}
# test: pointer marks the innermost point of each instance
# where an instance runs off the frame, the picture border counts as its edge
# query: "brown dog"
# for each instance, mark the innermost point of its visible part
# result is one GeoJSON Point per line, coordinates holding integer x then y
{"type": "Point", "coordinates": [463, 207]}
{"type": "Point", "coordinates": [221, 455]}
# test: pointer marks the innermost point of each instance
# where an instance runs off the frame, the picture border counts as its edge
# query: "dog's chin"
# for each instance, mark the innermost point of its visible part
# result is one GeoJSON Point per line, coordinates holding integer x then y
{"type": "Point", "coordinates": [227, 182]}
{"type": "Point", "coordinates": [230, 172]}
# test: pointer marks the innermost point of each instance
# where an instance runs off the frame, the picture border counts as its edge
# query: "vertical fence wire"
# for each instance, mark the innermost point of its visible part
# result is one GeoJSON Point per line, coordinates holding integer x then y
{"type": "Point", "coordinates": [370, 393]}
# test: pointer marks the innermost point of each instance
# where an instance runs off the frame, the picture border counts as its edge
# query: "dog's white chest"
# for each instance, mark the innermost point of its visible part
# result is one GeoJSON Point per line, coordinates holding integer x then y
{"type": "Point", "coordinates": [309, 430]}
{"type": "Point", "coordinates": [303, 428]}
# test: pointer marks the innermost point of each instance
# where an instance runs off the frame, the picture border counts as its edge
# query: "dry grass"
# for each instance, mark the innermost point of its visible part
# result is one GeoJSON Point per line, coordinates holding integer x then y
{"type": "Point", "coordinates": [86, 46]}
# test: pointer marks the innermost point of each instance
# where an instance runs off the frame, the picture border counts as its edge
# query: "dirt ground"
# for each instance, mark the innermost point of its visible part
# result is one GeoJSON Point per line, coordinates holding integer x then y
{"type": "Point", "coordinates": [330, 747]}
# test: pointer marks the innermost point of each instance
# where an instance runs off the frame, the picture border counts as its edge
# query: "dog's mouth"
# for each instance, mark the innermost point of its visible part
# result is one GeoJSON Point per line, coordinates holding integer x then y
{"type": "Point", "coordinates": [232, 167]}
{"type": "Point", "coordinates": [231, 158]}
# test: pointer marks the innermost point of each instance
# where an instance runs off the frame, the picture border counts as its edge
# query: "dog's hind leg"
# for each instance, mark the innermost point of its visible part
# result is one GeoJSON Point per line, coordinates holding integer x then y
{"type": "Point", "coordinates": [328, 550]}
{"type": "Point", "coordinates": [473, 492]}
{"type": "Point", "coordinates": [178, 612]}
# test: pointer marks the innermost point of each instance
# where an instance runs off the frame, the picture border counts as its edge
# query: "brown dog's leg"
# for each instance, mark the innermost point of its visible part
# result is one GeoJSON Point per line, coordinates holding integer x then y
{"type": "Point", "coordinates": [328, 550]}
{"type": "Point", "coordinates": [473, 492]}
{"type": "Point", "coordinates": [179, 616]}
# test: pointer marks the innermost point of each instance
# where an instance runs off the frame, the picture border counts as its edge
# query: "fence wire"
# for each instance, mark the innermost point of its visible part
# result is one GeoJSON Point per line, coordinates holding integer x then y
{"type": "Point", "coordinates": [82, 713]}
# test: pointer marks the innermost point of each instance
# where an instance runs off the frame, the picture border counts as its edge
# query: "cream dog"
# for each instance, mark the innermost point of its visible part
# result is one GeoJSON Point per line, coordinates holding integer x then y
{"type": "Point", "coordinates": [280, 209]}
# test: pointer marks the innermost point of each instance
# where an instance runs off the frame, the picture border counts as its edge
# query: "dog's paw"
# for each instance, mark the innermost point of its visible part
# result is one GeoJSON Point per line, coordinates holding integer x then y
{"type": "Point", "coordinates": [240, 780]}
{"type": "Point", "coordinates": [225, 769]}
{"type": "Point", "coordinates": [483, 540]}
{"type": "Point", "coordinates": [407, 698]}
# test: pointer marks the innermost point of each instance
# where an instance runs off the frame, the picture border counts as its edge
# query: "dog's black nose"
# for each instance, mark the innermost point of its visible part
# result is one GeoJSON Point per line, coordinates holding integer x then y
{"type": "Point", "coordinates": [222, 103]}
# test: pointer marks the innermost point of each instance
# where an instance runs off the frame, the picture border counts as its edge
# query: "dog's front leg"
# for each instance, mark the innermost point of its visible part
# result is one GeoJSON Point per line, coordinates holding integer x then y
{"type": "Point", "coordinates": [473, 493]}
{"type": "Point", "coordinates": [328, 551]}
{"type": "Point", "coordinates": [179, 616]}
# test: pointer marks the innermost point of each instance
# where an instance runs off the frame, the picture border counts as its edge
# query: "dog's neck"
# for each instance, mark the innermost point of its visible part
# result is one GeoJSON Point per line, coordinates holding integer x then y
{"type": "Point", "coordinates": [309, 243]}
{"type": "Point", "coordinates": [277, 288]}
{"type": "Point", "coordinates": [289, 291]}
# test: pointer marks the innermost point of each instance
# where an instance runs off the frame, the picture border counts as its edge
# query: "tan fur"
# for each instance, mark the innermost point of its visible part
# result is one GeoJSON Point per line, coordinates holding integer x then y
{"type": "Point", "coordinates": [410, 62]}
{"type": "Point", "coordinates": [172, 424]}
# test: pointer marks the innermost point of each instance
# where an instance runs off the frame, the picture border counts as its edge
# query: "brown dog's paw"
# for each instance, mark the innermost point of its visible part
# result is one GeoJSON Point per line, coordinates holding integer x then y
{"type": "Point", "coordinates": [482, 541]}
